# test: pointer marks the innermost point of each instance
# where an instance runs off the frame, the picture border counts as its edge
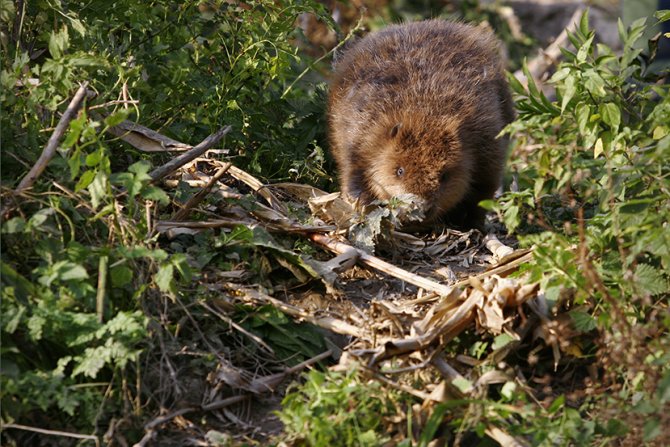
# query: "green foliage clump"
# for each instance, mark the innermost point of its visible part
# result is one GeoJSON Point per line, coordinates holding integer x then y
{"type": "Point", "coordinates": [594, 203]}
{"type": "Point", "coordinates": [82, 264]}
{"type": "Point", "coordinates": [337, 408]}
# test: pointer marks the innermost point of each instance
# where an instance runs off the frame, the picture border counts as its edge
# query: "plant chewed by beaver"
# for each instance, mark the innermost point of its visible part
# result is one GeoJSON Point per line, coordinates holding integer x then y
{"type": "Point", "coordinates": [415, 109]}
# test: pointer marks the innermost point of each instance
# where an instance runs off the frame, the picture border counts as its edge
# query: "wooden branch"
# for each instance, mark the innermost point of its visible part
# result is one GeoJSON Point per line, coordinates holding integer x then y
{"type": "Point", "coordinates": [382, 266]}
{"type": "Point", "coordinates": [50, 149]}
{"type": "Point", "coordinates": [188, 156]}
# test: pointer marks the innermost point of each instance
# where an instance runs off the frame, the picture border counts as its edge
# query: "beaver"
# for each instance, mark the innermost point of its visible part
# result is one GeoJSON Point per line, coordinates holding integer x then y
{"type": "Point", "coordinates": [415, 109]}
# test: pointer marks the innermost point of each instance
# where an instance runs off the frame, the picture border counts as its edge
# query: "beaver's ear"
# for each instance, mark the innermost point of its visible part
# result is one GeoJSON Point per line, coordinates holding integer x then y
{"type": "Point", "coordinates": [394, 130]}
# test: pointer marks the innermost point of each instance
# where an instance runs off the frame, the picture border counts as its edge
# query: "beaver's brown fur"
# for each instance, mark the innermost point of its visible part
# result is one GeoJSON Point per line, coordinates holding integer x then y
{"type": "Point", "coordinates": [416, 108]}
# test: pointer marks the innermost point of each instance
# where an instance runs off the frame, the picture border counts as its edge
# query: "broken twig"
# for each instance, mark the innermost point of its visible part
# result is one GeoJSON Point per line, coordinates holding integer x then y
{"type": "Point", "coordinates": [50, 149]}
{"type": "Point", "coordinates": [188, 156]}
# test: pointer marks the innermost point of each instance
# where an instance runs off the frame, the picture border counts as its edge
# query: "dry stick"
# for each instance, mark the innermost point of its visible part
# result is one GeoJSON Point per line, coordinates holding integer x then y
{"type": "Point", "coordinates": [382, 266]}
{"type": "Point", "coordinates": [200, 196]}
{"type": "Point", "coordinates": [51, 432]}
{"type": "Point", "coordinates": [102, 287]}
{"type": "Point", "coordinates": [540, 63]}
{"type": "Point", "coordinates": [50, 149]}
{"type": "Point", "coordinates": [188, 156]}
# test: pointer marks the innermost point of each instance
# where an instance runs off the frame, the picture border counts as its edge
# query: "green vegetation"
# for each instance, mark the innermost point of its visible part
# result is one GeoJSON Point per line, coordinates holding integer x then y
{"type": "Point", "coordinates": [107, 323]}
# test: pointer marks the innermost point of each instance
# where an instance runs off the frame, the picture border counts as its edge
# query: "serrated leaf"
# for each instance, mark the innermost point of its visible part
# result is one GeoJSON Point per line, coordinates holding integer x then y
{"type": "Point", "coordinates": [650, 280]}
{"type": "Point", "coordinates": [582, 321]}
{"type": "Point", "coordinates": [164, 278]}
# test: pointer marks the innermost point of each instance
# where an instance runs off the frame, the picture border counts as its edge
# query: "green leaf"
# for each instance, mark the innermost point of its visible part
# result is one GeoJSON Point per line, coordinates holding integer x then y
{"type": "Point", "coordinates": [594, 83]}
{"type": "Point", "coordinates": [662, 15]}
{"type": "Point", "coordinates": [14, 225]}
{"type": "Point", "coordinates": [568, 92]}
{"type": "Point", "coordinates": [583, 321]}
{"type": "Point", "coordinates": [85, 180]}
{"type": "Point", "coordinates": [463, 384]}
{"type": "Point", "coordinates": [556, 405]}
{"type": "Point", "coordinates": [515, 85]}
{"type": "Point", "coordinates": [598, 148]}
{"type": "Point", "coordinates": [98, 189]}
{"type": "Point", "coordinates": [583, 112]}
{"type": "Point", "coordinates": [164, 278]}
{"type": "Point", "coordinates": [156, 194]}
{"type": "Point", "coordinates": [584, 23]}
{"type": "Point", "coordinates": [116, 118]}
{"type": "Point", "coordinates": [651, 429]}
{"type": "Point", "coordinates": [121, 275]}
{"type": "Point", "coordinates": [72, 272]}
{"type": "Point", "coordinates": [663, 389]}
{"type": "Point", "coordinates": [650, 280]}
{"type": "Point", "coordinates": [508, 389]}
{"type": "Point", "coordinates": [585, 49]}
{"type": "Point", "coordinates": [501, 341]}
{"type": "Point", "coordinates": [611, 115]}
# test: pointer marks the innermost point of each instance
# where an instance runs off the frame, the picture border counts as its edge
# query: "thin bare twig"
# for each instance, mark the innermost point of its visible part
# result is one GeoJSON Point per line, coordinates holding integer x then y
{"type": "Point", "coordinates": [188, 156]}
{"type": "Point", "coordinates": [50, 149]}
{"type": "Point", "coordinates": [51, 432]}
{"type": "Point", "coordinates": [200, 195]}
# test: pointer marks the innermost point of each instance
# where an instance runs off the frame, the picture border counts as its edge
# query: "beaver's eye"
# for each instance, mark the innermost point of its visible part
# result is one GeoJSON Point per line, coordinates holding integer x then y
{"type": "Point", "coordinates": [400, 171]}
{"type": "Point", "coordinates": [445, 177]}
{"type": "Point", "coordinates": [395, 130]}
